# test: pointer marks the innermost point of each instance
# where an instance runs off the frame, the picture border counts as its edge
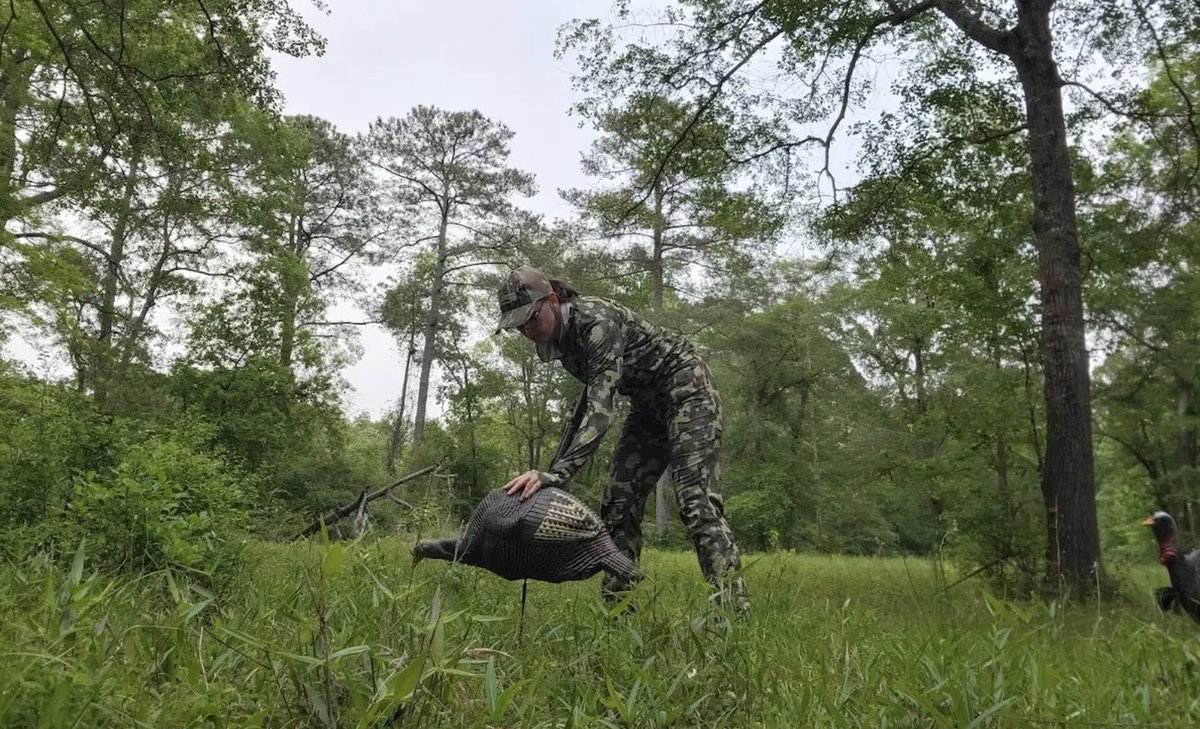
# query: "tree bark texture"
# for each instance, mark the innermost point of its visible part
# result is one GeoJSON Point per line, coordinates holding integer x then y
{"type": "Point", "coordinates": [1068, 481]}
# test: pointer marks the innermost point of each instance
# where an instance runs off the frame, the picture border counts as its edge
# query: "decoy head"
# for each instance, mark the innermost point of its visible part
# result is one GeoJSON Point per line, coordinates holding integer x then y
{"type": "Point", "coordinates": [435, 549]}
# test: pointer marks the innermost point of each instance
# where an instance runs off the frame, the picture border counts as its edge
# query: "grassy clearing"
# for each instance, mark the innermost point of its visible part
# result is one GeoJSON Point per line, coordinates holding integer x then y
{"type": "Point", "coordinates": [316, 635]}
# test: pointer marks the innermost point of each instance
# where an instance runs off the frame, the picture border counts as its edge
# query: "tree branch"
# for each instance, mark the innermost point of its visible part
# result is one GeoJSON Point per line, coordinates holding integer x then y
{"type": "Point", "coordinates": [339, 323]}
{"type": "Point", "coordinates": [333, 516]}
{"type": "Point", "coordinates": [994, 39]}
{"type": "Point", "coordinates": [59, 236]}
{"type": "Point", "coordinates": [44, 196]}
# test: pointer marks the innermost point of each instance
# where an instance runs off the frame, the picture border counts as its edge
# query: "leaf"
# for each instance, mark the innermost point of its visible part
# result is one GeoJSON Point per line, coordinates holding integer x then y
{"type": "Point", "coordinates": [310, 660]}
{"type": "Point", "coordinates": [173, 588]}
{"type": "Point", "coordinates": [243, 637]}
{"type": "Point", "coordinates": [334, 559]}
{"type": "Point", "coordinates": [197, 608]}
{"type": "Point", "coordinates": [50, 710]}
{"type": "Point", "coordinates": [437, 643]}
{"type": "Point", "coordinates": [505, 698]}
{"type": "Point", "coordinates": [489, 684]}
{"type": "Point", "coordinates": [981, 719]}
{"type": "Point", "coordinates": [481, 653]}
{"type": "Point", "coordinates": [401, 685]}
{"type": "Point", "coordinates": [351, 651]}
{"type": "Point", "coordinates": [320, 706]}
{"type": "Point", "coordinates": [382, 588]}
{"type": "Point", "coordinates": [77, 563]}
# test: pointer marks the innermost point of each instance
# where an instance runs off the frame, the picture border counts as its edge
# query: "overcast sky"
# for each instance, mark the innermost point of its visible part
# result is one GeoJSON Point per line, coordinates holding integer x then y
{"type": "Point", "coordinates": [386, 56]}
{"type": "Point", "coordinates": [382, 58]}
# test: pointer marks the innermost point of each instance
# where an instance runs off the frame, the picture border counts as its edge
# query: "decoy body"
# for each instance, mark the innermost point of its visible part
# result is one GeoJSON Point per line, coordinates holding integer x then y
{"type": "Point", "coordinates": [1184, 569]}
{"type": "Point", "coordinates": [551, 536]}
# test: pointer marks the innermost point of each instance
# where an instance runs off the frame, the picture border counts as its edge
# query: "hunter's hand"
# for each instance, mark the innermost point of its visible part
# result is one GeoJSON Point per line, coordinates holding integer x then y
{"type": "Point", "coordinates": [526, 484]}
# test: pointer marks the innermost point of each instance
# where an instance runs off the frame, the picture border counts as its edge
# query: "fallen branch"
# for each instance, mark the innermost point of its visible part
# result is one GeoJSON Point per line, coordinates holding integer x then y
{"type": "Point", "coordinates": [344, 511]}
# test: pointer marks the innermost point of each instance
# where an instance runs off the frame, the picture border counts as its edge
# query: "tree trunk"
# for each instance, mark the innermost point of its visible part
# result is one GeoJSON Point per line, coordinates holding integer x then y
{"type": "Point", "coordinates": [429, 350]}
{"type": "Point", "coordinates": [133, 330]}
{"type": "Point", "coordinates": [1185, 447]}
{"type": "Point", "coordinates": [297, 246]}
{"type": "Point", "coordinates": [13, 84]}
{"type": "Point", "coordinates": [396, 442]}
{"type": "Point", "coordinates": [1185, 409]}
{"type": "Point", "coordinates": [1003, 489]}
{"type": "Point", "coordinates": [469, 403]}
{"type": "Point", "coordinates": [1068, 487]}
{"type": "Point", "coordinates": [662, 489]}
{"type": "Point", "coordinates": [656, 254]}
{"type": "Point", "coordinates": [103, 369]}
{"type": "Point", "coordinates": [531, 440]}
{"type": "Point", "coordinates": [809, 433]}
{"type": "Point", "coordinates": [925, 445]}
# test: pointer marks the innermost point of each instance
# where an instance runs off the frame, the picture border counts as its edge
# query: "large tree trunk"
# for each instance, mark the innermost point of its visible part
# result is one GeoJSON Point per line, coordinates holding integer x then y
{"type": "Point", "coordinates": [1068, 486]}
{"type": "Point", "coordinates": [429, 351]}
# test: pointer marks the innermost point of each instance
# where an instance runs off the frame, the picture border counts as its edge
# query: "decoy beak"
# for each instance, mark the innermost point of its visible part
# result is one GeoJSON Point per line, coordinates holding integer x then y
{"type": "Point", "coordinates": [416, 557]}
{"type": "Point", "coordinates": [1149, 521]}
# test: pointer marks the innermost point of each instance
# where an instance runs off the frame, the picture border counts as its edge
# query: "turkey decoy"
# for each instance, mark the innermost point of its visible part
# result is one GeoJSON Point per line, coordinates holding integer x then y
{"type": "Point", "coordinates": [551, 536]}
{"type": "Point", "coordinates": [1184, 569]}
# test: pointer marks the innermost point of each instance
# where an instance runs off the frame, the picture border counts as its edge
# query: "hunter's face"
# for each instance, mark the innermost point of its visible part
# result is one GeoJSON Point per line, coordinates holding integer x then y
{"type": "Point", "coordinates": [541, 326]}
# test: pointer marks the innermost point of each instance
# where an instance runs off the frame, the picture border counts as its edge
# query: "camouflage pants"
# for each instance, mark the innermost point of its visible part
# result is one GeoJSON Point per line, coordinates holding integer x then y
{"type": "Point", "coordinates": [683, 431]}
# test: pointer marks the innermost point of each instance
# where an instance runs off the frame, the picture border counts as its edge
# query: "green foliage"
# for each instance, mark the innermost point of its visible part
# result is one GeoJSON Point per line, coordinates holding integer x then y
{"type": "Point", "coordinates": [167, 504]}
{"type": "Point", "coordinates": [1142, 220]}
{"type": "Point", "coordinates": [668, 187]}
{"type": "Point", "coordinates": [351, 635]}
{"type": "Point", "coordinates": [799, 470]}
{"type": "Point", "coordinates": [48, 433]}
{"type": "Point", "coordinates": [885, 400]}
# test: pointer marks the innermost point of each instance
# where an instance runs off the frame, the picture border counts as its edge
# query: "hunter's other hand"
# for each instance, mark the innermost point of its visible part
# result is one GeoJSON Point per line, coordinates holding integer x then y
{"type": "Point", "coordinates": [526, 484]}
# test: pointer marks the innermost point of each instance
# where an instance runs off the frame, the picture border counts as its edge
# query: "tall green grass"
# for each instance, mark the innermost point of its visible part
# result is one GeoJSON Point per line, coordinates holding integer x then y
{"type": "Point", "coordinates": [344, 635]}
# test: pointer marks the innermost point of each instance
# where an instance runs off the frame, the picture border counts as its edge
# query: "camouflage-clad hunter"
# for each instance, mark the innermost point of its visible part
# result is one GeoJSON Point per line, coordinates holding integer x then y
{"type": "Point", "coordinates": [675, 418]}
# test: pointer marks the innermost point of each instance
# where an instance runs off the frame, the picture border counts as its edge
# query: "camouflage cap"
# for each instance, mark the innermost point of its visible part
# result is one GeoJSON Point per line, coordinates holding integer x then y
{"type": "Point", "coordinates": [519, 294]}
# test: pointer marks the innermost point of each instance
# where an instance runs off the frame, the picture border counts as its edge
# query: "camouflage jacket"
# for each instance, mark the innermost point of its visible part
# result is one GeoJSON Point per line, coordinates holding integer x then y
{"type": "Point", "coordinates": [611, 350]}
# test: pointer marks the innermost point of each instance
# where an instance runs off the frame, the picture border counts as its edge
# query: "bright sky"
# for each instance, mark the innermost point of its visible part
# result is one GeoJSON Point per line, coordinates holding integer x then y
{"type": "Point", "coordinates": [386, 56]}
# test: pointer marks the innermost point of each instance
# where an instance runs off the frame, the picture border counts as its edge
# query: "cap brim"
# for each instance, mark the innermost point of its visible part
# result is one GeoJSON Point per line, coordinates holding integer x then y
{"type": "Point", "coordinates": [516, 317]}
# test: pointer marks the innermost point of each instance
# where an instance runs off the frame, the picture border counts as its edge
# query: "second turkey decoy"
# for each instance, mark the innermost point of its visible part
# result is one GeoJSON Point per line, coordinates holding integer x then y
{"type": "Point", "coordinates": [1184, 569]}
{"type": "Point", "coordinates": [552, 536]}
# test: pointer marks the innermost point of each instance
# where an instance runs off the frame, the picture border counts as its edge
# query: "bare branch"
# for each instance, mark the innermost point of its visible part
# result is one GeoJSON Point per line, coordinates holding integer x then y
{"type": "Point", "coordinates": [70, 238]}
{"type": "Point", "coordinates": [1112, 107]}
{"type": "Point", "coordinates": [211, 274]}
{"type": "Point", "coordinates": [44, 196]}
{"type": "Point", "coordinates": [339, 323]}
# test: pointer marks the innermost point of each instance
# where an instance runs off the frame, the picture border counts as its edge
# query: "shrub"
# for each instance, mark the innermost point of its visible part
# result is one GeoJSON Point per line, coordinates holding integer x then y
{"type": "Point", "coordinates": [168, 503]}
